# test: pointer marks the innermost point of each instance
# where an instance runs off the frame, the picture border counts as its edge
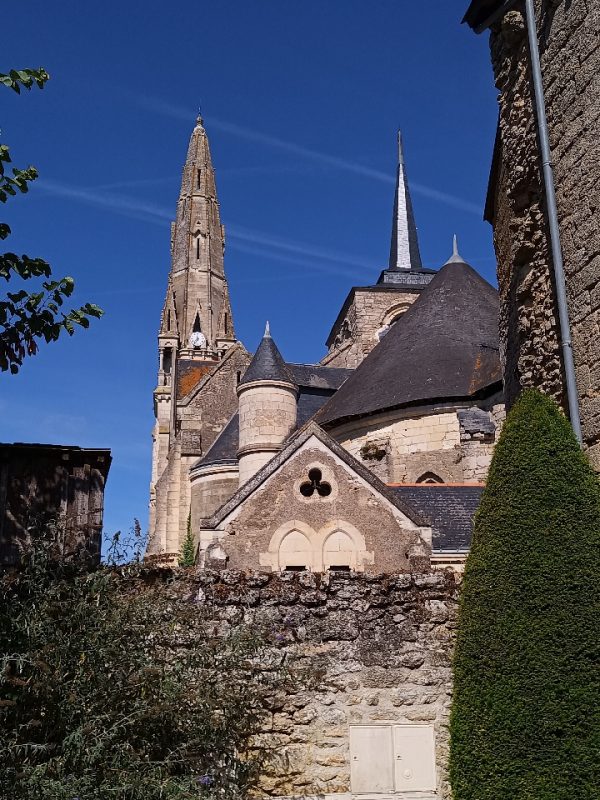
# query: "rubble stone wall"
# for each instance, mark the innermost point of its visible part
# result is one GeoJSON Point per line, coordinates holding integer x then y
{"type": "Point", "coordinates": [569, 37]}
{"type": "Point", "coordinates": [381, 646]}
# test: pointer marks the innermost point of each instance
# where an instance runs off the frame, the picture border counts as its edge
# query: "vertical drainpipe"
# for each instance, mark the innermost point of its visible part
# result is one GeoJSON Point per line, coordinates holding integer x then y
{"type": "Point", "coordinates": [557, 256]}
{"type": "Point", "coordinates": [548, 181]}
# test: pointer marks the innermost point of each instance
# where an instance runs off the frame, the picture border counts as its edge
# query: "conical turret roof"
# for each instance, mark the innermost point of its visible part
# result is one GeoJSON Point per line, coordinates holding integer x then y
{"type": "Point", "coordinates": [267, 364]}
{"type": "Point", "coordinates": [445, 346]}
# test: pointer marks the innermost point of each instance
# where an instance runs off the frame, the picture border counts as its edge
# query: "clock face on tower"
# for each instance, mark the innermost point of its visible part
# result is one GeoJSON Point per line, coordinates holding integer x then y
{"type": "Point", "coordinates": [198, 340]}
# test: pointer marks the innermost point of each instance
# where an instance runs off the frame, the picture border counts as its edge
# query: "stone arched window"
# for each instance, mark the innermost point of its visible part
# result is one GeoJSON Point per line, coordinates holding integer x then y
{"type": "Point", "coordinates": [429, 477]}
{"type": "Point", "coordinates": [337, 545]}
{"type": "Point", "coordinates": [391, 316]}
{"type": "Point", "coordinates": [167, 360]}
{"type": "Point", "coordinates": [339, 551]}
{"type": "Point", "coordinates": [295, 551]}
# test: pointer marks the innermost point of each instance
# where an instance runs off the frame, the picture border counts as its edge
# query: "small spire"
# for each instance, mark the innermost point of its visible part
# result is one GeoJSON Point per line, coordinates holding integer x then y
{"type": "Point", "coordinates": [456, 257]}
{"type": "Point", "coordinates": [199, 120]}
{"type": "Point", "coordinates": [404, 248]}
{"type": "Point", "coordinates": [267, 363]}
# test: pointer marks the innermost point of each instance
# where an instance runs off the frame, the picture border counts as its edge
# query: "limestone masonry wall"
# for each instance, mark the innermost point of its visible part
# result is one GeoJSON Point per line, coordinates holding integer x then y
{"type": "Point", "coordinates": [569, 35]}
{"type": "Point", "coordinates": [368, 314]}
{"type": "Point", "coordinates": [401, 450]}
{"type": "Point", "coordinates": [380, 644]}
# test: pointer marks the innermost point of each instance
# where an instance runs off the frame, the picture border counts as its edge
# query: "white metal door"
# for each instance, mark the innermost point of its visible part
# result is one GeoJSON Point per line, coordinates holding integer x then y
{"type": "Point", "coordinates": [371, 762]}
{"type": "Point", "coordinates": [414, 758]}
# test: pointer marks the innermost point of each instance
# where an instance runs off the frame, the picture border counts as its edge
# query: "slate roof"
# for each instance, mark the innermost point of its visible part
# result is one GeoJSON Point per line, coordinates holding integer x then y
{"type": "Point", "coordinates": [267, 364]}
{"type": "Point", "coordinates": [316, 385]}
{"type": "Point", "coordinates": [480, 11]}
{"type": "Point", "coordinates": [449, 508]}
{"type": "Point", "coordinates": [475, 420]}
{"type": "Point", "coordinates": [444, 347]}
{"type": "Point", "coordinates": [224, 449]}
{"type": "Point", "coordinates": [318, 377]}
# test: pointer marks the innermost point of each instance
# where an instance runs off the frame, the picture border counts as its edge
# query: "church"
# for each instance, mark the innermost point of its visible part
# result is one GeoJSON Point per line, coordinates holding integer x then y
{"type": "Point", "coordinates": [372, 460]}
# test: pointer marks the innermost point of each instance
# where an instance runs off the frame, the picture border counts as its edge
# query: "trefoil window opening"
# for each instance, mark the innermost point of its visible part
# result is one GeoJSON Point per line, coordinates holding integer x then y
{"type": "Point", "coordinates": [315, 484]}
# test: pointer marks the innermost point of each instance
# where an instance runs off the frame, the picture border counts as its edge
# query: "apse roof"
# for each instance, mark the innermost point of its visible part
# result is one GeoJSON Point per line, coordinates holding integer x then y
{"type": "Point", "coordinates": [444, 347]}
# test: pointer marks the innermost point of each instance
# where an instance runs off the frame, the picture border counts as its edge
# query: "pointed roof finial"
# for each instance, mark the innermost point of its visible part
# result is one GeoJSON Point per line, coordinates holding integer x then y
{"type": "Point", "coordinates": [404, 249]}
{"type": "Point", "coordinates": [199, 120]}
{"type": "Point", "coordinates": [400, 148]}
{"type": "Point", "coordinates": [267, 333]}
{"type": "Point", "coordinates": [456, 257]}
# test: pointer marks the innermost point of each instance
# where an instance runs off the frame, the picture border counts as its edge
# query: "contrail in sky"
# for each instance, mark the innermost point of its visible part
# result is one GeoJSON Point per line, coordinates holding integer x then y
{"type": "Point", "coordinates": [243, 239]}
{"type": "Point", "coordinates": [177, 112]}
{"type": "Point", "coordinates": [120, 204]}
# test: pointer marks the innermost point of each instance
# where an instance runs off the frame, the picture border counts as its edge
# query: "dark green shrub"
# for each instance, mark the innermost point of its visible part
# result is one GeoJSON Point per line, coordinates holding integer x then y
{"type": "Point", "coordinates": [525, 724]}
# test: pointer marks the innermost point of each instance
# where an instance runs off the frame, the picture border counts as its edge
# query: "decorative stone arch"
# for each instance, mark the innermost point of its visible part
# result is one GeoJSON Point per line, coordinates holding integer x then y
{"type": "Point", "coordinates": [343, 545]}
{"type": "Point", "coordinates": [291, 542]}
{"type": "Point", "coordinates": [395, 312]}
{"type": "Point", "coordinates": [430, 477]}
{"type": "Point", "coordinates": [336, 544]}
{"type": "Point", "coordinates": [391, 316]}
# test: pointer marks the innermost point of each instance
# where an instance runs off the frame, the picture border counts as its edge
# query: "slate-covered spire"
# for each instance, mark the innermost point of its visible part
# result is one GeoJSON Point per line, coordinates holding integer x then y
{"type": "Point", "coordinates": [404, 250]}
{"type": "Point", "coordinates": [267, 364]}
{"type": "Point", "coordinates": [197, 245]}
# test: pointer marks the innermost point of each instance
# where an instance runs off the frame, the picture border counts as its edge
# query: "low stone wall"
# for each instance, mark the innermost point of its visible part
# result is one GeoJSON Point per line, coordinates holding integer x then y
{"type": "Point", "coordinates": [380, 646]}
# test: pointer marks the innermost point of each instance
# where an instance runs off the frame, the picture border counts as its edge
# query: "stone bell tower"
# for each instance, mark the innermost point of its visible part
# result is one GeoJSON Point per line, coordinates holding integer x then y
{"type": "Point", "coordinates": [196, 330]}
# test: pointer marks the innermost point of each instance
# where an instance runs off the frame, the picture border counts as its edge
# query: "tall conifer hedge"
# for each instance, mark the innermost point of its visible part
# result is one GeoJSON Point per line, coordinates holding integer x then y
{"type": "Point", "coordinates": [525, 723]}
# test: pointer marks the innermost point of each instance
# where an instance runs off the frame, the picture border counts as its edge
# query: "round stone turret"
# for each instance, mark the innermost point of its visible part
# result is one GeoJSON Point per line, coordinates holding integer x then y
{"type": "Point", "coordinates": [267, 408]}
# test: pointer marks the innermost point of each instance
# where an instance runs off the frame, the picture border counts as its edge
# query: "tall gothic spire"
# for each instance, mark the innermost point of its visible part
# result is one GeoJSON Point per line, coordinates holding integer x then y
{"type": "Point", "coordinates": [197, 280]}
{"type": "Point", "coordinates": [404, 250]}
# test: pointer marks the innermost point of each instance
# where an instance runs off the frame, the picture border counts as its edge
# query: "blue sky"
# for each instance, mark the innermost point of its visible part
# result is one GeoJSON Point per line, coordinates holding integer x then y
{"type": "Point", "coordinates": [301, 102]}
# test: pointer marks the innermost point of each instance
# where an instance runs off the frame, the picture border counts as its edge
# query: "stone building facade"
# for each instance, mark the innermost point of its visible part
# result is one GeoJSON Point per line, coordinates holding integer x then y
{"type": "Point", "coordinates": [569, 41]}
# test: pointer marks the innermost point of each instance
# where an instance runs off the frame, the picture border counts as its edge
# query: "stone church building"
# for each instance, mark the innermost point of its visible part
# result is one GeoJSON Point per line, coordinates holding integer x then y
{"type": "Point", "coordinates": [371, 458]}
{"type": "Point", "coordinates": [331, 502]}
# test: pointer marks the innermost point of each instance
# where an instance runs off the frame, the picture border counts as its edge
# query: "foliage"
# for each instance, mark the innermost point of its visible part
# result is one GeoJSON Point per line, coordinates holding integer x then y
{"type": "Point", "coordinates": [128, 549]}
{"type": "Point", "coordinates": [27, 316]}
{"type": "Point", "coordinates": [188, 550]}
{"type": "Point", "coordinates": [525, 721]}
{"type": "Point", "coordinates": [115, 683]}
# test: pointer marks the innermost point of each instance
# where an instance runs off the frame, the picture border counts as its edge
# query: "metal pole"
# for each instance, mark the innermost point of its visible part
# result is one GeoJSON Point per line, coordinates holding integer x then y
{"type": "Point", "coordinates": [557, 258]}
